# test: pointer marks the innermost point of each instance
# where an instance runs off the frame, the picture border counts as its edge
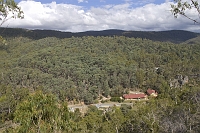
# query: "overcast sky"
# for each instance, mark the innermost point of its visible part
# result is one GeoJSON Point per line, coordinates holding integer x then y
{"type": "Point", "coordinates": [84, 15]}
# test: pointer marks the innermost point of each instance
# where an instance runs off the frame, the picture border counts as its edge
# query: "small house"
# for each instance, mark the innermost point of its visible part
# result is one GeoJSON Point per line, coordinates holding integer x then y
{"type": "Point", "coordinates": [151, 92]}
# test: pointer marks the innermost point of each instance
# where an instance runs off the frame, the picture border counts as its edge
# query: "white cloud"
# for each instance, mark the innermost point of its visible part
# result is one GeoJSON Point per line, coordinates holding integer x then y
{"type": "Point", "coordinates": [81, 1]}
{"type": "Point", "coordinates": [66, 17]}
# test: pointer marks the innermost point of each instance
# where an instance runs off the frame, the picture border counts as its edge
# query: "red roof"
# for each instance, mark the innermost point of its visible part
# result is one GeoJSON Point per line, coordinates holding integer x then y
{"type": "Point", "coordinates": [134, 96]}
{"type": "Point", "coordinates": [150, 91]}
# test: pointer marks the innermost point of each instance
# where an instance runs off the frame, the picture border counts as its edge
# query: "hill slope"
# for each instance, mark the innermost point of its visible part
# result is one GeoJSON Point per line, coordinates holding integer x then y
{"type": "Point", "coordinates": [195, 40]}
{"type": "Point", "coordinates": [175, 36]}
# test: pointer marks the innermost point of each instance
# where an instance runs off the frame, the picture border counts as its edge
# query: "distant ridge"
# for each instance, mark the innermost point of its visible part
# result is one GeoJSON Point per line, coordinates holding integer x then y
{"type": "Point", "coordinates": [195, 40]}
{"type": "Point", "coordinates": [175, 36]}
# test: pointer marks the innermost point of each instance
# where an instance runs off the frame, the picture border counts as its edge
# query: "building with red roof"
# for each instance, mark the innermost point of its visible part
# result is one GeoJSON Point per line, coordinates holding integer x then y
{"type": "Point", "coordinates": [151, 92]}
{"type": "Point", "coordinates": [134, 96]}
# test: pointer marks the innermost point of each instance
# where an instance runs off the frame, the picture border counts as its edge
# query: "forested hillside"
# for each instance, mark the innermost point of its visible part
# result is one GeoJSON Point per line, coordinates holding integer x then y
{"type": "Point", "coordinates": [82, 69]}
{"type": "Point", "coordinates": [175, 36]}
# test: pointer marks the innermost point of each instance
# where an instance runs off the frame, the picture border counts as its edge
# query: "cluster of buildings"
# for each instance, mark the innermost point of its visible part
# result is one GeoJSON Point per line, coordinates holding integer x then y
{"type": "Point", "coordinates": [138, 96]}
{"type": "Point", "coordinates": [106, 106]}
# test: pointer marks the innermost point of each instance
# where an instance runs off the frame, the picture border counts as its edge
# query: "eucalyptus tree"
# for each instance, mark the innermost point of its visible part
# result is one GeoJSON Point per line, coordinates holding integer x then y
{"type": "Point", "coordinates": [9, 9]}
{"type": "Point", "coordinates": [41, 113]}
{"type": "Point", "coordinates": [181, 6]}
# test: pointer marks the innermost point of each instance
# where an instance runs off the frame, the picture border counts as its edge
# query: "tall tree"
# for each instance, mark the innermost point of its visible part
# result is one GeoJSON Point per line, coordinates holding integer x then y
{"type": "Point", "coordinates": [41, 113]}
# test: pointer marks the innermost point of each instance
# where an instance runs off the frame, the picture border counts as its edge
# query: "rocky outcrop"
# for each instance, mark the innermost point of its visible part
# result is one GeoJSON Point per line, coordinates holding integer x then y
{"type": "Point", "coordinates": [179, 81]}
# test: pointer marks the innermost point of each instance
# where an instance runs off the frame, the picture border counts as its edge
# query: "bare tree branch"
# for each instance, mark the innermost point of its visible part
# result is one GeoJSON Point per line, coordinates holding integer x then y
{"type": "Point", "coordinates": [180, 7]}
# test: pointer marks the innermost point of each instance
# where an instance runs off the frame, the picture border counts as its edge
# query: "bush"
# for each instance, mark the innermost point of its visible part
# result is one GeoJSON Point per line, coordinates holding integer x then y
{"type": "Point", "coordinates": [116, 99]}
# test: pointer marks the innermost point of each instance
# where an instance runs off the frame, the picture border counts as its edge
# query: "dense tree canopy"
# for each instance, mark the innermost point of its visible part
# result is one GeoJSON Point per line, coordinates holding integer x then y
{"type": "Point", "coordinates": [39, 77]}
{"type": "Point", "coordinates": [84, 68]}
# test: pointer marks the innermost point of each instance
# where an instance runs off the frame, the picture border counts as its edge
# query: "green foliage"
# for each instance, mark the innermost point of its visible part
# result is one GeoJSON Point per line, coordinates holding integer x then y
{"type": "Point", "coordinates": [181, 7]}
{"type": "Point", "coordinates": [116, 99]}
{"type": "Point", "coordinates": [9, 98]}
{"type": "Point", "coordinates": [84, 69]}
{"type": "Point", "coordinates": [9, 7]}
{"type": "Point", "coordinates": [41, 113]}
